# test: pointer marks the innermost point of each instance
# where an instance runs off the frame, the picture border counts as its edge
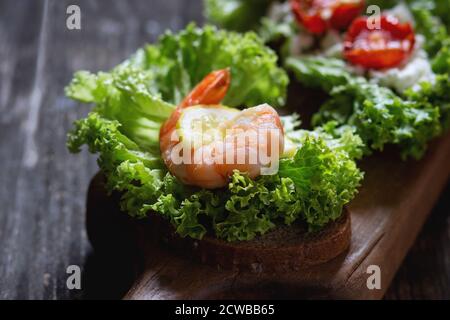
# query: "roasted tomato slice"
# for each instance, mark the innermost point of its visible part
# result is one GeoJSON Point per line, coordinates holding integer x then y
{"type": "Point", "coordinates": [379, 48]}
{"type": "Point", "coordinates": [317, 16]}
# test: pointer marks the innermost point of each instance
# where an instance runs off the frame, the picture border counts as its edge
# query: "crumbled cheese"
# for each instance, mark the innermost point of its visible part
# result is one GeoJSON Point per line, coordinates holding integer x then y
{"type": "Point", "coordinates": [415, 71]}
{"type": "Point", "coordinates": [326, 14]}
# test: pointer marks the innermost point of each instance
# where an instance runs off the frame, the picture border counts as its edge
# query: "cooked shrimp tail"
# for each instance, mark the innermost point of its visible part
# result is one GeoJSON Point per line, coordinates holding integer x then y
{"type": "Point", "coordinates": [216, 140]}
{"type": "Point", "coordinates": [210, 91]}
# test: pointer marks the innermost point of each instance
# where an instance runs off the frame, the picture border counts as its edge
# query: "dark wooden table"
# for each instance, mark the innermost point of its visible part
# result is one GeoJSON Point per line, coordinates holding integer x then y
{"type": "Point", "coordinates": [43, 187]}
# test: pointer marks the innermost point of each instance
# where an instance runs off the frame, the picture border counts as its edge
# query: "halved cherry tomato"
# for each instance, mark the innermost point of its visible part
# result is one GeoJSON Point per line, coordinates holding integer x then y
{"type": "Point", "coordinates": [382, 48]}
{"type": "Point", "coordinates": [317, 16]}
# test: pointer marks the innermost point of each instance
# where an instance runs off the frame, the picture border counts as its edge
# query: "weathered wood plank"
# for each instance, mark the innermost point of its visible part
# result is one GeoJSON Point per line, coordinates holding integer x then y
{"type": "Point", "coordinates": [43, 187]}
{"type": "Point", "coordinates": [19, 43]}
{"type": "Point", "coordinates": [425, 273]}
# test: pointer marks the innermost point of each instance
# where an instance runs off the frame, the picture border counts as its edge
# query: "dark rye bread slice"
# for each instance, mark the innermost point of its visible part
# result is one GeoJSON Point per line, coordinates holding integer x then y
{"type": "Point", "coordinates": [286, 248]}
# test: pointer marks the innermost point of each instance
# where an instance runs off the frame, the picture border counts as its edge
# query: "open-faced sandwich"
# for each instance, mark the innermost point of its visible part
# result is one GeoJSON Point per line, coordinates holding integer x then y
{"type": "Point", "coordinates": [187, 132]}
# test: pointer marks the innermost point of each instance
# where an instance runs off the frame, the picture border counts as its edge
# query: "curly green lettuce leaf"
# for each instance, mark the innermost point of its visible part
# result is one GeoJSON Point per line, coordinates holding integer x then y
{"type": "Point", "coordinates": [103, 136]}
{"type": "Point", "coordinates": [325, 180]}
{"type": "Point", "coordinates": [123, 96]}
{"type": "Point", "coordinates": [429, 25]}
{"type": "Point", "coordinates": [319, 72]}
{"type": "Point", "coordinates": [180, 61]}
{"type": "Point", "coordinates": [434, 94]}
{"type": "Point", "coordinates": [441, 62]}
{"type": "Point", "coordinates": [323, 170]}
{"type": "Point", "coordinates": [337, 138]}
{"type": "Point", "coordinates": [376, 113]}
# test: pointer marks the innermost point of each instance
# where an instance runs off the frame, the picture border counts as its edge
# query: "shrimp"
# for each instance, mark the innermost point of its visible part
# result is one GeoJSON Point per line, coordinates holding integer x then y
{"type": "Point", "coordinates": [228, 139]}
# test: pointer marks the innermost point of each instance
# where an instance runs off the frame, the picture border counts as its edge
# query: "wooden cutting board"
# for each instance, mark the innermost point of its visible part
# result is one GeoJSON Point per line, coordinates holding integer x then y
{"type": "Point", "coordinates": [387, 215]}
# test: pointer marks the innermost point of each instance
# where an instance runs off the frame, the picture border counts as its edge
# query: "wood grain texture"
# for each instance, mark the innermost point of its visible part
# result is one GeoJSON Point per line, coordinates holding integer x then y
{"type": "Point", "coordinates": [43, 187]}
{"type": "Point", "coordinates": [425, 271]}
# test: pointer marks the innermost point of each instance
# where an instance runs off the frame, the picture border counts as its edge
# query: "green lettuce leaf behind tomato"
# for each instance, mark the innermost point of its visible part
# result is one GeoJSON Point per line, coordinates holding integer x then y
{"type": "Point", "coordinates": [377, 114]}
{"type": "Point", "coordinates": [239, 15]}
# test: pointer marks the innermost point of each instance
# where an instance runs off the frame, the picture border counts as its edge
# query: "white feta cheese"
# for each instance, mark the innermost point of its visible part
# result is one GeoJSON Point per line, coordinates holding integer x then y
{"type": "Point", "coordinates": [326, 14]}
{"type": "Point", "coordinates": [415, 71]}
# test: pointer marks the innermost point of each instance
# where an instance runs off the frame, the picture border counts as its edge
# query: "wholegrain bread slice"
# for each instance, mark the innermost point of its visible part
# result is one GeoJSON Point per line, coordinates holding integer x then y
{"type": "Point", "coordinates": [286, 248]}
